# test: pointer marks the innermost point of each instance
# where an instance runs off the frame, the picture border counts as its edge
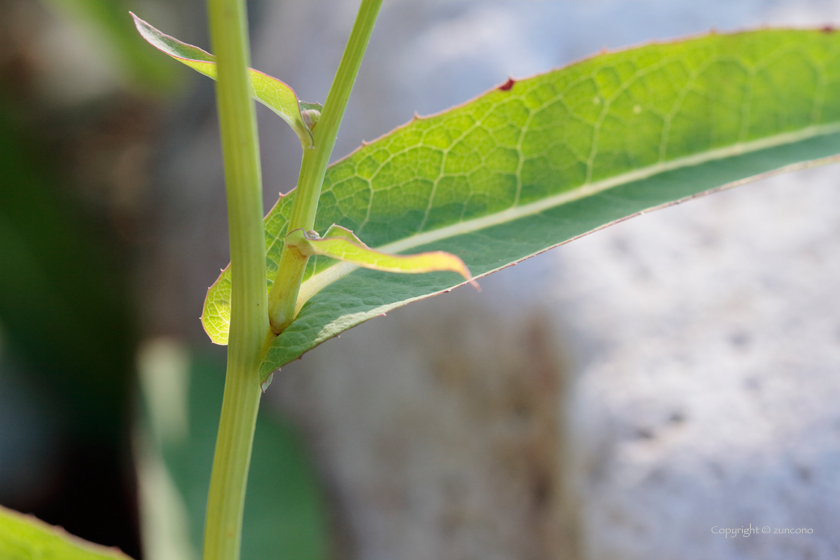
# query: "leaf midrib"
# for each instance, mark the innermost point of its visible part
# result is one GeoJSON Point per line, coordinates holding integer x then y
{"type": "Point", "coordinates": [320, 280]}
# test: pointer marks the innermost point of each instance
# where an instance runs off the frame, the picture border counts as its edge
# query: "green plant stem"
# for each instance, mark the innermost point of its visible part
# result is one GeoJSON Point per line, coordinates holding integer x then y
{"type": "Point", "coordinates": [284, 291]}
{"type": "Point", "coordinates": [249, 318]}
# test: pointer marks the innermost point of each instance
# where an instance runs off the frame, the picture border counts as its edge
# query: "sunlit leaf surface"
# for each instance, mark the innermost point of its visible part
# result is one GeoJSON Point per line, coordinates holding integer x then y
{"type": "Point", "coordinates": [536, 163]}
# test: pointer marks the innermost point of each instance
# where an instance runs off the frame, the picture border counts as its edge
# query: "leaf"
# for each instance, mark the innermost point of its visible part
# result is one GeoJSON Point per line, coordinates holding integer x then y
{"type": "Point", "coordinates": [341, 244]}
{"type": "Point", "coordinates": [23, 537]}
{"type": "Point", "coordinates": [285, 516]}
{"type": "Point", "coordinates": [538, 162]}
{"type": "Point", "coordinates": [269, 91]}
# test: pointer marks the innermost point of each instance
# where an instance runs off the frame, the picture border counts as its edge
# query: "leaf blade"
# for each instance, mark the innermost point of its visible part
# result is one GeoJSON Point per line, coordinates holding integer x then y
{"type": "Point", "coordinates": [23, 537]}
{"type": "Point", "coordinates": [541, 161]}
{"type": "Point", "coordinates": [266, 89]}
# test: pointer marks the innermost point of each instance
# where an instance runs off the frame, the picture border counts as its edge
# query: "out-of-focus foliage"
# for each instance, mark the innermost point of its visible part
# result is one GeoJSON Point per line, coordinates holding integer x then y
{"type": "Point", "coordinates": [59, 286]}
{"type": "Point", "coordinates": [284, 513]}
{"type": "Point", "coordinates": [71, 172]}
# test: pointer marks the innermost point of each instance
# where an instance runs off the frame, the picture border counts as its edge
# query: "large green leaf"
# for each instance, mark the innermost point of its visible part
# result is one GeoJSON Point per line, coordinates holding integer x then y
{"type": "Point", "coordinates": [22, 537]}
{"type": "Point", "coordinates": [541, 161]}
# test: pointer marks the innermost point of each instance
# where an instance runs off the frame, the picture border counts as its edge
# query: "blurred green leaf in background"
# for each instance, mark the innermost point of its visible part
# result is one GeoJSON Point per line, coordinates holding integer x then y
{"type": "Point", "coordinates": [285, 517]}
{"type": "Point", "coordinates": [82, 103]}
{"type": "Point", "coordinates": [75, 148]}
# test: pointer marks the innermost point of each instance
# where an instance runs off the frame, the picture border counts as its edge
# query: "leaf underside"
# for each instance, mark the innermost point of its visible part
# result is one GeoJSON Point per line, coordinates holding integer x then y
{"type": "Point", "coordinates": [23, 537]}
{"type": "Point", "coordinates": [534, 164]}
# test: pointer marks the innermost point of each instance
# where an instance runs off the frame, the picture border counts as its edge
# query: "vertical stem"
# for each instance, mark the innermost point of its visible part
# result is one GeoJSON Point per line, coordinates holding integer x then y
{"type": "Point", "coordinates": [284, 291]}
{"type": "Point", "coordinates": [249, 325]}
{"type": "Point", "coordinates": [249, 314]}
{"type": "Point", "coordinates": [226, 499]}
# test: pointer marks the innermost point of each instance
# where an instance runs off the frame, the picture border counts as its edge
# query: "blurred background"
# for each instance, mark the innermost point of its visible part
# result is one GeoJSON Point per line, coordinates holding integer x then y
{"type": "Point", "coordinates": [618, 397]}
